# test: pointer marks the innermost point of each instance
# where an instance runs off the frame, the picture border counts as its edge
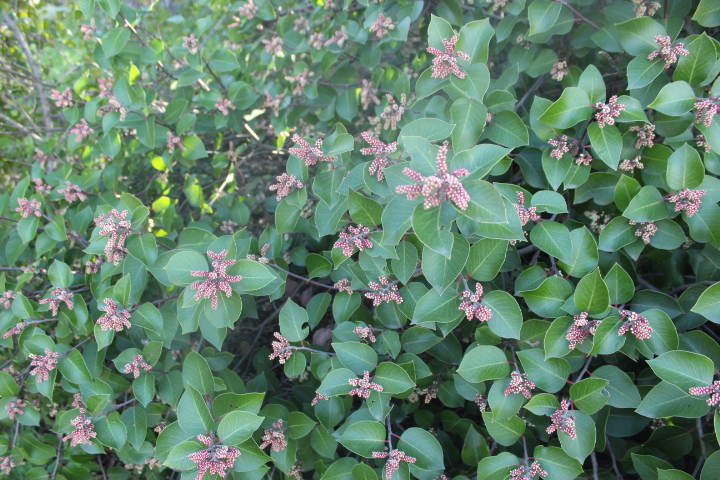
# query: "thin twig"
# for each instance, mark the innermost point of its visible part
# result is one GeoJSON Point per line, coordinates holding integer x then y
{"type": "Point", "coordinates": [612, 458]}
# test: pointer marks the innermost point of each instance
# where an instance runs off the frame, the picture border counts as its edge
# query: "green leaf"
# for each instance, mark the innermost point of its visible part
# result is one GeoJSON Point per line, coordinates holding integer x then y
{"type": "Point", "coordinates": [442, 271]}
{"type": "Point", "coordinates": [708, 305]}
{"type": "Point", "coordinates": [606, 339]}
{"type": "Point", "coordinates": [674, 99]}
{"type": "Point", "coordinates": [559, 465]}
{"type": "Point", "coordinates": [647, 466]}
{"type": "Point", "coordinates": [542, 15]}
{"type": "Point", "coordinates": [548, 299]}
{"type": "Point", "coordinates": [292, 319]}
{"type": "Point", "coordinates": [683, 369]}
{"type": "Point", "coordinates": [507, 129]}
{"type": "Point", "coordinates": [144, 248]}
{"type": "Point", "coordinates": [74, 369]}
{"type": "Point", "coordinates": [607, 143]}
{"type": "Point", "coordinates": [637, 36]}
{"type": "Point", "coordinates": [135, 421]}
{"type": "Point", "coordinates": [552, 238]}
{"type": "Point", "coordinates": [363, 438]}
{"type": "Point", "coordinates": [180, 266]}
{"type": "Point", "coordinates": [437, 307]}
{"type": "Point", "coordinates": [475, 448]}
{"type": "Point", "coordinates": [590, 394]}
{"type": "Point", "coordinates": [707, 13]}
{"type": "Point", "coordinates": [193, 413]}
{"type": "Point", "coordinates": [483, 363]}
{"type": "Point", "coordinates": [358, 357]}
{"type": "Point", "coordinates": [422, 445]}
{"type": "Point", "coordinates": [506, 319]}
{"type": "Point", "coordinates": [505, 432]}
{"type": "Point", "coordinates": [148, 317]}
{"type": "Point", "coordinates": [404, 266]}
{"type": "Point", "coordinates": [695, 67]}
{"type": "Point", "coordinates": [584, 443]}
{"type": "Point", "coordinates": [432, 226]}
{"type": "Point", "coordinates": [571, 108]}
{"type": "Point", "coordinates": [196, 373]}
{"type": "Point", "coordinates": [60, 274]}
{"type": "Point", "coordinates": [549, 375]}
{"type": "Point", "coordinates": [647, 206]}
{"type": "Point", "coordinates": [431, 129]}
{"type": "Point", "coordinates": [364, 210]}
{"type": "Point", "coordinates": [474, 41]}
{"type": "Point", "coordinates": [114, 41]}
{"type": "Point", "coordinates": [591, 294]}
{"type": "Point", "coordinates": [469, 117]}
{"type": "Point", "coordinates": [620, 285]}
{"type": "Point", "coordinates": [497, 467]}
{"type": "Point", "coordinates": [393, 378]}
{"type": "Point", "coordinates": [477, 77]}
{"type": "Point", "coordinates": [238, 426]}
{"type": "Point", "coordinates": [111, 431]}
{"type": "Point", "coordinates": [667, 400]}
{"type": "Point", "coordinates": [627, 188]}
{"type": "Point", "coordinates": [685, 168]}
{"type": "Point", "coordinates": [486, 257]}
{"type": "Point", "coordinates": [642, 71]}
{"type": "Point", "coordinates": [617, 234]}
{"type": "Point", "coordinates": [336, 382]}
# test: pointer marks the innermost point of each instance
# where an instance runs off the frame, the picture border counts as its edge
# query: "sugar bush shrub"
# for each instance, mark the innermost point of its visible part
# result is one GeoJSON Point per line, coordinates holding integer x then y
{"type": "Point", "coordinates": [490, 251]}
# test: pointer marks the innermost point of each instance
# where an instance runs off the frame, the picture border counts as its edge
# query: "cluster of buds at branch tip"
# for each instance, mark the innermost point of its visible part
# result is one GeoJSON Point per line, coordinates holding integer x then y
{"type": "Point", "coordinates": [393, 113]}
{"type": "Point", "coordinates": [261, 258]}
{"type": "Point", "coordinates": [667, 52]}
{"type": "Point", "coordinates": [16, 330]}
{"type": "Point", "coordinates": [317, 398]}
{"type": "Point", "coordinates": [84, 429]}
{"type": "Point", "coordinates": [393, 463]}
{"type": "Point", "coordinates": [524, 473]}
{"type": "Point", "coordinates": [285, 186]}
{"type": "Point", "coordinates": [275, 437]}
{"type": "Point", "coordinates": [59, 295]}
{"type": "Point", "coordinates": [368, 94]}
{"type": "Point", "coordinates": [41, 188]}
{"type": "Point", "coordinates": [366, 333]}
{"type": "Point", "coordinates": [584, 158]}
{"type": "Point", "coordinates": [216, 280]}
{"type": "Point", "coordinates": [382, 26]}
{"type": "Point", "coordinates": [526, 213]}
{"type": "Point", "coordinates": [581, 329]}
{"type": "Point", "coordinates": [15, 407]}
{"type": "Point", "coordinates": [81, 130]}
{"type": "Point", "coordinates": [648, 7]}
{"type": "Point", "coordinates": [344, 286]}
{"type": "Point", "coordinates": [385, 291]}
{"type": "Point", "coordinates": [246, 11]}
{"type": "Point", "coordinates": [440, 187]}
{"type": "Point", "coordinates": [471, 304]}
{"type": "Point", "coordinates": [636, 324]}
{"type": "Point", "coordinates": [481, 401]}
{"type": "Point", "coordinates": [359, 237]}
{"type": "Point", "coordinates": [273, 45]}
{"type": "Point", "coordinates": [62, 100]}
{"type": "Point", "coordinates": [173, 142]}
{"type": "Point", "coordinates": [29, 207]}
{"type": "Point", "coordinates": [118, 227]}
{"type": "Point", "coordinates": [215, 459]}
{"type": "Point", "coordinates": [646, 135]}
{"type": "Point", "coordinates": [608, 112]}
{"type": "Point", "coordinates": [645, 230]}
{"type": "Point", "coordinates": [363, 386]}
{"type": "Point", "coordinates": [72, 193]}
{"type": "Point", "coordinates": [687, 200]}
{"type": "Point", "coordinates": [282, 350]}
{"type": "Point", "coordinates": [707, 108]}
{"type": "Point", "coordinates": [136, 365]}
{"type": "Point", "coordinates": [191, 43]}
{"type": "Point", "coordinates": [559, 70]}
{"type": "Point", "coordinates": [301, 80]}
{"type": "Point", "coordinates": [273, 103]}
{"type": "Point", "coordinates": [43, 365]}
{"type": "Point", "coordinates": [311, 155]}
{"type": "Point", "coordinates": [381, 151]}
{"type": "Point", "coordinates": [563, 420]}
{"type": "Point", "coordinates": [561, 146]}
{"type": "Point", "coordinates": [446, 62]}
{"type": "Point", "coordinates": [519, 384]}
{"type": "Point", "coordinates": [7, 298]}
{"type": "Point", "coordinates": [631, 165]}
{"type": "Point", "coordinates": [701, 142]}
{"type": "Point", "coordinates": [114, 318]}
{"type": "Point", "coordinates": [713, 390]}
{"type": "Point", "coordinates": [224, 106]}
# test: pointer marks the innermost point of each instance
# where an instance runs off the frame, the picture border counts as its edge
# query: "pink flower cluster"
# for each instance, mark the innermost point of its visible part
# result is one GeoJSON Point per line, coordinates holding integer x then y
{"type": "Point", "coordinates": [358, 237]}
{"type": "Point", "coordinates": [713, 390]}
{"type": "Point", "coordinates": [275, 437]}
{"type": "Point", "coordinates": [368, 94]}
{"type": "Point", "coordinates": [41, 188]}
{"type": "Point", "coordinates": [273, 103]}
{"type": "Point", "coordinates": [247, 11]}
{"type": "Point", "coordinates": [15, 407]}
{"type": "Point", "coordinates": [7, 298]}
{"type": "Point", "coordinates": [7, 464]}
{"type": "Point", "coordinates": [59, 295]}
{"type": "Point", "coordinates": [481, 401]}
{"type": "Point", "coordinates": [81, 130]}
{"type": "Point", "coordinates": [93, 266]}
{"type": "Point", "coordinates": [363, 386]}
{"type": "Point", "coordinates": [584, 159]}
{"type": "Point", "coordinates": [301, 80]}
{"type": "Point", "coordinates": [261, 258]}
{"type": "Point", "coordinates": [16, 330]}
{"type": "Point", "coordinates": [519, 384]}
{"type": "Point", "coordinates": [526, 213]}
{"type": "Point", "coordinates": [114, 318]}
{"type": "Point", "coordinates": [645, 230]}
{"type": "Point", "coordinates": [393, 112]}
{"type": "Point", "coordinates": [707, 108]}
{"type": "Point", "coordinates": [215, 459]}
{"type": "Point", "coordinates": [667, 52]}
{"type": "Point", "coordinates": [317, 399]}
{"type": "Point", "coordinates": [281, 349]}
{"type": "Point", "coordinates": [646, 135]}
{"type": "Point", "coordinates": [273, 45]}
{"type": "Point", "coordinates": [387, 292]}
{"type": "Point", "coordinates": [472, 307]}
{"type": "Point", "coordinates": [191, 44]}
{"type": "Point", "coordinates": [687, 200]}
{"type": "Point", "coordinates": [286, 185]}
{"type": "Point", "coordinates": [344, 286]}
{"type": "Point", "coordinates": [562, 420]}
{"type": "Point", "coordinates": [115, 225]}
{"type": "Point", "coordinates": [637, 324]}
{"type": "Point", "coordinates": [630, 165]}
{"type": "Point", "coordinates": [559, 70]}
{"type": "Point", "coordinates": [446, 62]}
{"type": "Point", "coordinates": [72, 193]}
{"type": "Point", "coordinates": [561, 146]}
{"type": "Point", "coordinates": [701, 142]}
{"type": "Point", "coordinates": [607, 113]}
{"type": "Point", "coordinates": [534, 470]}
{"type": "Point", "coordinates": [217, 280]}
{"type": "Point", "coordinates": [224, 105]}
{"type": "Point", "coordinates": [136, 365]}
{"type": "Point", "coordinates": [440, 187]}
{"type": "Point", "coordinates": [43, 365]}
{"type": "Point", "coordinates": [28, 207]}
{"type": "Point", "coordinates": [365, 332]}
{"type": "Point", "coordinates": [393, 463]}
{"type": "Point", "coordinates": [63, 99]}
{"type": "Point", "coordinates": [646, 6]}
{"type": "Point", "coordinates": [84, 429]}
{"type": "Point", "coordinates": [581, 329]}
{"type": "Point", "coordinates": [304, 151]}
{"type": "Point", "coordinates": [382, 26]}
{"type": "Point", "coordinates": [381, 151]}
{"type": "Point", "coordinates": [173, 142]}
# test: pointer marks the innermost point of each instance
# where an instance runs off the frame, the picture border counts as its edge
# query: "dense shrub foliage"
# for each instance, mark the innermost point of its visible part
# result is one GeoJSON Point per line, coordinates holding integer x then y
{"type": "Point", "coordinates": [360, 240]}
